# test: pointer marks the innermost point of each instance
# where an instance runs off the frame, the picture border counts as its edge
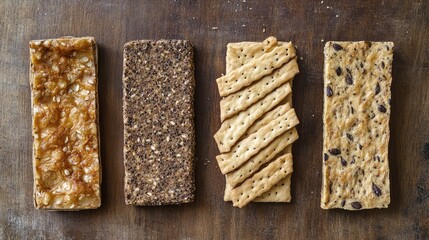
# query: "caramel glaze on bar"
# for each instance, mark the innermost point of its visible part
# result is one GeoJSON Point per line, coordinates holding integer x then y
{"type": "Point", "coordinates": [66, 166]}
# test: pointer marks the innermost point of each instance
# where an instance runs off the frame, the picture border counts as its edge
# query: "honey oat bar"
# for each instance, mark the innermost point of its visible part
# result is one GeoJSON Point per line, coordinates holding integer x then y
{"type": "Point", "coordinates": [66, 159]}
{"type": "Point", "coordinates": [357, 80]}
{"type": "Point", "coordinates": [158, 113]}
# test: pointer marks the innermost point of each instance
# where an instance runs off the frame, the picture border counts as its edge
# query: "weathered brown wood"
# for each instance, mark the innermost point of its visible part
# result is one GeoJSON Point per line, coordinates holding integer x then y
{"type": "Point", "coordinates": [210, 25]}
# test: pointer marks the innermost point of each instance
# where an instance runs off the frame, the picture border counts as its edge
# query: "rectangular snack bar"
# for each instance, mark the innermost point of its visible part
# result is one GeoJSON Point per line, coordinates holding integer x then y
{"type": "Point", "coordinates": [159, 147]}
{"type": "Point", "coordinates": [66, 158]}
{"type": "Point", "coordinates": [357, 80]}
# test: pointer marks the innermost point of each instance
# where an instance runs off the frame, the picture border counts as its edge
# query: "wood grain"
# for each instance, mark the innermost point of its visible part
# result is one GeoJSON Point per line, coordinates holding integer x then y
{"type": "Point", "coordinates": [210, 25]}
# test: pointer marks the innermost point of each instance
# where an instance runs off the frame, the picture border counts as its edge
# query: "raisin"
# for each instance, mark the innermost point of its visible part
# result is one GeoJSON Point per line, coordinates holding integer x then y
{"type": "Point", "coordinates": [337, 47]}
{"type": "Point", "coordinates": [334, 151]}
{"type": "Point", "coordinates": [329, 91]}
{"type": "Point", "coordinates": [369, 44]}
{"type": "Point", "coordinates": [339, 71]}
{"type": "Point", "coordinates": [325, 156]}
{"type": "Point", "coordinates": [343, 203]}
{"type": "Point", "coordinates": [376, 190]}
{"type": "Point", "coordinates": [349, 78]}
{"type": "Point", "coordinates": [356, 205]}
{"type": "Point", "coordinates": [382, 64]}
{"type": "Point", "coordinates": [349, 136]}
{"type": "Point", "coordinates": [343, 162]}
{"type": "Point", "coordinates": [377, 89]}
{"type": "Point", "coordinates": [352, 110]}
{"type": "Point", "coordinates": [382, 108]}
{"type": "Point", "coordinates": [353, 161]}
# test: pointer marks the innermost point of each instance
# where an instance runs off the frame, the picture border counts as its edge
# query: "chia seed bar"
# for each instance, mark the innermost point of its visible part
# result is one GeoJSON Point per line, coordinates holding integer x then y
{"type": "Point", "coordinates": [357, 80]}
{"type": "Point", "coordinates": [159, 136]}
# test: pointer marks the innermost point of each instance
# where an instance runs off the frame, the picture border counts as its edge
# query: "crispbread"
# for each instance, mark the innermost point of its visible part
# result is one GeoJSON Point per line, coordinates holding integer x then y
{"type": "Point", "coordinates": [159, 139]}
{"type": "Point", "coordinates": [232, 129]}
{"type": "Point", "coordinates": [262, 181]}
{"type": "Point", "coordinates": [266, 119]}
{"type": "Point", "coordinates": [244, 98]}
{"type": "Point", "coordinates": [250, 49]}
{"type": "Point", "coordinates": [357, 80]}
{"type": "Point", "coordinates": [280, 192]}
{"type": "Point", "coordinates": [252, 144]}
{"type": "Point", "coordinates": [64, 99]}
{"type": "Point", "coordinates": [240, 53]}
{"type": "Point", "coordinates": [254, 70]}
{"type": "Point", "coordinates": [264, 156]}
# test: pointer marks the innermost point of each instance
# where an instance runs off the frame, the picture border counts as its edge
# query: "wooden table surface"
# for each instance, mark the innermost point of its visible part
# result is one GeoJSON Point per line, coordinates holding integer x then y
{"type": "Point", "coordinates": [210, 25]}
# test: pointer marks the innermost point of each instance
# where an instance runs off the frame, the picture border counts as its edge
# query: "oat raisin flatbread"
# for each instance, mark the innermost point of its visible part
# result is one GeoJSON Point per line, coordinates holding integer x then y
{"type": "Point", "coordinates": [357, 80]}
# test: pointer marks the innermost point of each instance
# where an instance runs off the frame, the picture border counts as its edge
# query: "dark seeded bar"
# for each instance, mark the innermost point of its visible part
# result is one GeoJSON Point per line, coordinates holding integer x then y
{"type": "Point", "coordinates": [159, 138]}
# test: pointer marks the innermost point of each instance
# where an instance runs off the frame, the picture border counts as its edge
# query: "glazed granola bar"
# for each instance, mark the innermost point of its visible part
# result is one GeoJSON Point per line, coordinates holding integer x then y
{"type": "Point", "coordinates": [66, 159]}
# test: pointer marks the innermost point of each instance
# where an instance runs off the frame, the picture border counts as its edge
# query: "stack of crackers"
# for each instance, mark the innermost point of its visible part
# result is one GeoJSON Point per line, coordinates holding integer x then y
{"type": "Point", "coordinates": [258, 121]}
